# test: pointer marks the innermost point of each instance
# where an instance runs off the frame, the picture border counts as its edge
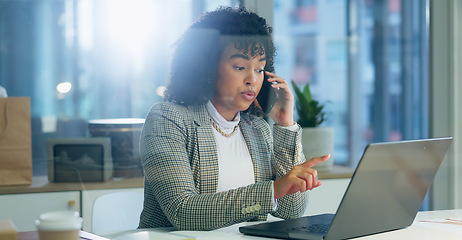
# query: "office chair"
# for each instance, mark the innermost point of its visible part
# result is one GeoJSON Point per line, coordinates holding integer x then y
{"type": "Point", "coordinates": [116, 212]}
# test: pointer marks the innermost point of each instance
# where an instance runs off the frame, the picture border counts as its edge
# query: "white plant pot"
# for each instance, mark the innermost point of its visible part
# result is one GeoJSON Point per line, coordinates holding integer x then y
{"type": "Point", "coordinates": [318, 142]}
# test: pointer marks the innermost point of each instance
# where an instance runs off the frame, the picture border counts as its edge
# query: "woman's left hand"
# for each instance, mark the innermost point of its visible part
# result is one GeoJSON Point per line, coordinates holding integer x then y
{"type": "Point", "coordinates": [282, 112]}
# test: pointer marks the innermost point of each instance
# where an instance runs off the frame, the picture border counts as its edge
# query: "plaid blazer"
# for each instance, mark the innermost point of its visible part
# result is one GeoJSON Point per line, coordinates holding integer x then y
{"type": "Point", "coordinates": [179, 158]}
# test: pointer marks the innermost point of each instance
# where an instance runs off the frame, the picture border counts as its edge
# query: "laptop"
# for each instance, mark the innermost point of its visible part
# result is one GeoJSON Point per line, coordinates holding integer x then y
{"type": "Point", "coordinates": [384, 194]}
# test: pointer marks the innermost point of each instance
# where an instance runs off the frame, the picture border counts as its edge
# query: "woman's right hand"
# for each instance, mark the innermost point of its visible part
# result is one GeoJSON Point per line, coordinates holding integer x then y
{"type": "Point", "coordinates": [299, 179]}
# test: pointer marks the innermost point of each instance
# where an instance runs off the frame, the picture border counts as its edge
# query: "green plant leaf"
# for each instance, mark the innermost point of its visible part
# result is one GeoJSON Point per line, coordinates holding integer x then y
{"type": "Point", "coordinates": [310, 111]}
{"type": "Point", "coordinates": [307, 93]}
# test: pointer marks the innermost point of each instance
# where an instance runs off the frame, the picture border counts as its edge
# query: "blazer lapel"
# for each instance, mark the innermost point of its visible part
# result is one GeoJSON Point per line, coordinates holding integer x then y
{"type": "Point", "coordinates": [208, 156]}
{"type": "Point", "coordinates": [253, 138]}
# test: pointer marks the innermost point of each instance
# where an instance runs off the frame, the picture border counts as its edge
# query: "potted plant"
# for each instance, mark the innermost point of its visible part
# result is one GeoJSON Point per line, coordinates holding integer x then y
{"type": "Point", "coordinates": [317, 141]}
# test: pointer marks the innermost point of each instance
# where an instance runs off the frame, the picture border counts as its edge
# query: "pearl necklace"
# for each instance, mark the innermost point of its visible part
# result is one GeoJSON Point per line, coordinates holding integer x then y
{"type": "Point", "coordinates": [215, 125]}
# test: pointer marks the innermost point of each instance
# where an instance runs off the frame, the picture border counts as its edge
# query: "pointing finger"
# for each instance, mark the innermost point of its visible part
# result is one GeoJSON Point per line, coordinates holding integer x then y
{"type": "Point", "coordinates": [314, 161]}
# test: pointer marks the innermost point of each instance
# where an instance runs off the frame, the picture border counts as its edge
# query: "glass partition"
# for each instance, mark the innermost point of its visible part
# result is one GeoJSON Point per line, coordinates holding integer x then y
{"type": "Point", "coordinates": [81, 60]}
{"type": "Point", "coordinates": [366, 60]}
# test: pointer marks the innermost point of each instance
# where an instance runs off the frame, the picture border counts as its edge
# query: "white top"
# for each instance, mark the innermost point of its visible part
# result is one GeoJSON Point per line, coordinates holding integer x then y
{"type": "Point", "coordinates": [234, 161]}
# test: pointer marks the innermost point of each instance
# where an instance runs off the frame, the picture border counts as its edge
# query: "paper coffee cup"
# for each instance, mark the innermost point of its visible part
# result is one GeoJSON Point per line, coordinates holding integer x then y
{"type": "Point", "coordinates": [59, 225]}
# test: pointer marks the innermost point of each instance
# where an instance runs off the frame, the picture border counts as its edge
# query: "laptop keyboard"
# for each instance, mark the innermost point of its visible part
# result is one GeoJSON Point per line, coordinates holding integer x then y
{"type": "Point", "coordinates": [319, 228]}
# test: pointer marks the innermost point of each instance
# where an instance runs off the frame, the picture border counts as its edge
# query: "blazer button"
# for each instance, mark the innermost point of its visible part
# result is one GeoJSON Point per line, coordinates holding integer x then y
{"type": "Point", "coordinates": [252, 209]}
{"type": "Point", "coordinates": [257, 207]}
{"type": "Point", "coordinates": [244, 211]}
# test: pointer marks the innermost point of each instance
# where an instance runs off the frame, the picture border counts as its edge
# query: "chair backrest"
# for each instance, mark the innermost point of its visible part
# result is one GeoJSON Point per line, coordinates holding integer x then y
{"type": "Point", "coordinates": [116, 212]}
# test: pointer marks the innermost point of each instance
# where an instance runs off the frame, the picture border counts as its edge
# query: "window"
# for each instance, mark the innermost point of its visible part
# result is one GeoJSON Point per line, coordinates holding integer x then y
{"type": "Point", "coordinates": [84, 59]}
{"type": "Point", "coordinates": [366, 60]}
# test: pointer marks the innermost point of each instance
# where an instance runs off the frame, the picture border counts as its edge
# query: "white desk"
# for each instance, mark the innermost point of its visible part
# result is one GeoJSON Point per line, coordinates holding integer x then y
{"type": "Point", "coordinates": [439, 228]}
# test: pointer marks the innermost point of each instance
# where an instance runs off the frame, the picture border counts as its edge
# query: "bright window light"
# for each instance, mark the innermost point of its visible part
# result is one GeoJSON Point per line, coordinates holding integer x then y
{"type": "Point", "coordinates": [161, 91]}
{"type": "Point", "coordinates": [130, 23]}
{"type": "Point", "coordinates": [64, 87]}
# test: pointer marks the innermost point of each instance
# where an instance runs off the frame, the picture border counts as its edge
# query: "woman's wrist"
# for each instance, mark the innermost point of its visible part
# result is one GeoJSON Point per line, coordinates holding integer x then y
{"type": "Point", "coordinates": [286, 124]}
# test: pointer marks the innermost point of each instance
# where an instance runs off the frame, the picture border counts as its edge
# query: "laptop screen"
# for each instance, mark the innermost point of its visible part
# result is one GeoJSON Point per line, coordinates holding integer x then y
{"type": "Point", "coordinates": [388, 186]}
{"type": "Point", "coordinates": [385, 193]}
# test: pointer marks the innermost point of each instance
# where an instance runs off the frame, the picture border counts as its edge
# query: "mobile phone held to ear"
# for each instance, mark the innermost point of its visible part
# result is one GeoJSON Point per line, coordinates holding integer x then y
{"type": "Point", "coordinates": [267, 96]}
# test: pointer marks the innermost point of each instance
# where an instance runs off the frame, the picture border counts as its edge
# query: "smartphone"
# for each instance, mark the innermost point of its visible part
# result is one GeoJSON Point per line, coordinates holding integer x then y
{"type": "Point", "coordinates": [267, 96]}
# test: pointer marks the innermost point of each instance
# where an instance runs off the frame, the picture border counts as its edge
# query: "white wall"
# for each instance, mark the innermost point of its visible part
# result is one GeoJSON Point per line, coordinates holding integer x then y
{"type": "Point", "coordinates": [264, 8]}
{"type": "Point", "coordinates": [457, 71]}
{"type": "Point", "coordinates": [446, 98]}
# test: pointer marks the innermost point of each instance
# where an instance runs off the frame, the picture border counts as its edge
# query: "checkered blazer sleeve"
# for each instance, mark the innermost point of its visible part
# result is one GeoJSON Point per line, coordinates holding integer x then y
{"type": "Point", "coordinates": [287, 152]}
{"type": "Point", "coordinates": [172, 197]}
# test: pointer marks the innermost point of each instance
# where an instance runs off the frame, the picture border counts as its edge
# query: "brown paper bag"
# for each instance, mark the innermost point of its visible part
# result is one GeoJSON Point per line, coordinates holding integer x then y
{"type": "Point", "coordinates": [15, 141]}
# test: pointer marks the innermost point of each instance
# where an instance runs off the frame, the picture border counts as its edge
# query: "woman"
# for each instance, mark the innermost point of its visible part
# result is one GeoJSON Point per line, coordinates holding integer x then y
{"type": "Point", "coordinates": [208, 156]}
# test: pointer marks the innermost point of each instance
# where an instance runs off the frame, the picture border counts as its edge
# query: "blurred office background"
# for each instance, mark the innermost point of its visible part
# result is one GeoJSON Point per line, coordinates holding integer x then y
{"type": "Point", "coordinates": [368, 61]}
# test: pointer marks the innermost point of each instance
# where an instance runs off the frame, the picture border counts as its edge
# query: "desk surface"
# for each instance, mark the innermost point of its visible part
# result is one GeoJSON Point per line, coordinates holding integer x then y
{"type": "Point", "coordinates": [41, 184]}
{"type": "Point", "coordinates": [427, 225]}
{"type": "Point", "coordinates": [33, 235]}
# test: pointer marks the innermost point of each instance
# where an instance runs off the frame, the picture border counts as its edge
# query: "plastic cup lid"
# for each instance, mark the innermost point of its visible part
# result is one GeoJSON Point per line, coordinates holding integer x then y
{"type": "Point", "coordinates": [59, 221]}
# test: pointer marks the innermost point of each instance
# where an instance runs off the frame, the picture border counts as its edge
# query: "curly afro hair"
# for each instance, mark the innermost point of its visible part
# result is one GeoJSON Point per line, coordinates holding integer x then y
{"type": "Point", "coordinates": [194, 65]}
